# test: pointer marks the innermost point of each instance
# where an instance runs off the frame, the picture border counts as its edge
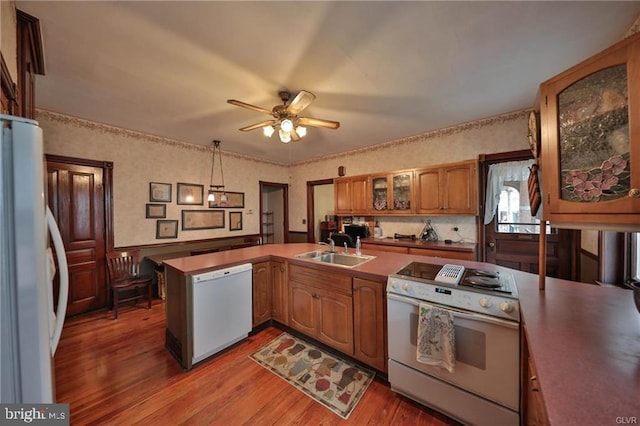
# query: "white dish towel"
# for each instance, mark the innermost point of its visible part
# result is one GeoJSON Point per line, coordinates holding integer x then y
{"type": "Point", "coordinates": [436, 338]}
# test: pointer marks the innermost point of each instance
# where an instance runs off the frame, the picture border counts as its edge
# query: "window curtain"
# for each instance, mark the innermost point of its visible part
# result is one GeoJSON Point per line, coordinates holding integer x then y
{"type": "Point", "coordinates": [499, 174]}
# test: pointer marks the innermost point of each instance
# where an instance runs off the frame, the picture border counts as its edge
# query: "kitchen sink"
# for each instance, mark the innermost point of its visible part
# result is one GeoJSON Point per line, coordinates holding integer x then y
{"type": "Point", "coordinates": [311, 254]}
{"type": "Point", "coordinates": [346, 260]}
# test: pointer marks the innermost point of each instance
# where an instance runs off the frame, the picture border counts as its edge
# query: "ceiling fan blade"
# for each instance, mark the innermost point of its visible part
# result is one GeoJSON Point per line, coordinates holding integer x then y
{"type": "Point", "coordinates": [258, 125]}
{"type": "Point", "coordinates": [248, 106]}
{"type": "Point", "coordinates": [294, 135]}
{"type": "Point", "coordinates": [302, 100]}
{"type": "Point", "coordinates": [317, 122]}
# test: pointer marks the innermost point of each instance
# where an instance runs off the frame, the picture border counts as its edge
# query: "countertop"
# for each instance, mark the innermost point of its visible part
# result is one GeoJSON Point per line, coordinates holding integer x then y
{"type": "Point", "coordinates": [584, 339]}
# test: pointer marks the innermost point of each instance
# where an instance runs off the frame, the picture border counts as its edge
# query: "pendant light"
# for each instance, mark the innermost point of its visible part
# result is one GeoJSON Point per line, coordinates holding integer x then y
{"type": "Point", "coordinates": [212, 187]}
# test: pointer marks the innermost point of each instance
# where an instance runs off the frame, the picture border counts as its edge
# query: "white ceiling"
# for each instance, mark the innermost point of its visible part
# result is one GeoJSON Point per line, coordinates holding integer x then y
{"type": "Point", "coordinates": [385, 70]}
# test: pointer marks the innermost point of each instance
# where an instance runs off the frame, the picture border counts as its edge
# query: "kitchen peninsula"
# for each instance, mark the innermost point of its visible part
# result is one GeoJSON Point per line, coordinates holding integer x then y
{"type": "Point", "coordinates": [583, 341]}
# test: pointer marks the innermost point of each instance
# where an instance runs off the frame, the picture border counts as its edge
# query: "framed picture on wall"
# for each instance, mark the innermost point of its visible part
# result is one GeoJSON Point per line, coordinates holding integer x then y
{"type": "Point", "coordinates": [190, 194]}
{"type": "Point", "coordinates": [202, 219]}
{"type": "Point", "coordinates": [235, 200]}
{"type": "Point", "coordinates": [160, 192]}
{"type": "Point", "coordinates": [166, 229]}
{"type": "Point", "coordinates": [235, 221]}
{"type": "Point", "coordinates": [156, 211]}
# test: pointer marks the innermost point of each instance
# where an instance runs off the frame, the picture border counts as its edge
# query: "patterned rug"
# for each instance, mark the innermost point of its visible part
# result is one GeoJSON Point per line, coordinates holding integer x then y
{"type": "Point", "coordinates": [333, 382]}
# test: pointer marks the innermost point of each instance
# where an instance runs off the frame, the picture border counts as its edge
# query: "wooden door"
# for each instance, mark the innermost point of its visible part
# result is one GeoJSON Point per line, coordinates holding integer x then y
{"type": "Point", "coordinates": [279, 293]}
{"type": "Point", "coordinates": [77, 199]}
{"type": "Point", "coordinates": [261, 293]}
{"type": "Point", "coordinates": [460, 189]}
{"type": "Point", "coordinates": [427, 189]}
{"type": "Point", "coordinates": [369, 323]}
{"type": "Point", "coordinates": [302, 316]}
{"type": "Point", "coordinates": [335, 319]}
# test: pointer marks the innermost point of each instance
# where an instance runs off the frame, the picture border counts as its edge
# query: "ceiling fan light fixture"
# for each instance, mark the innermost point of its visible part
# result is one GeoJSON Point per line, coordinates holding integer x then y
{"type": "Point", "coordinates": [301, 131]}
{"type": "Point", "coordinates": [285, 137]}
{"type": "Point", "coordinates": [268, 131]}
{"type": "Point", "coordinates": [286, 125]}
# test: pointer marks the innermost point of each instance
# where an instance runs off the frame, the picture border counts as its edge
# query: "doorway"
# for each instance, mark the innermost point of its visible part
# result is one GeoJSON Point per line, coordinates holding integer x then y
{"type": "Point", "coordinates": [320, 203]}
{"type": "Point", "coordinates": [511, 239]}
{"type": "Point", "coordinates": [274, 212]}
{"type": "Point", "coordinates": [79, 196]}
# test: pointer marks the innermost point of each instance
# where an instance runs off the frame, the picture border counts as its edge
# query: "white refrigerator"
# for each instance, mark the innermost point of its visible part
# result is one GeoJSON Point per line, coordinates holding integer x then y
{"type": "Point", "coordinates": [29, 327]}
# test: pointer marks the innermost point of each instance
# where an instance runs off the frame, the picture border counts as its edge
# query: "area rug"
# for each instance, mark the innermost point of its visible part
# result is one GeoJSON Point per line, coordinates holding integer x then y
{"type": "Point", "coordinates": [333, 382]}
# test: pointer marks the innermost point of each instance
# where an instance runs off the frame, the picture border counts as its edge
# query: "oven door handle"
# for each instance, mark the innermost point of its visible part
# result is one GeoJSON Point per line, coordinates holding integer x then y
{"type": "Point", "coordinates": [457, 313]}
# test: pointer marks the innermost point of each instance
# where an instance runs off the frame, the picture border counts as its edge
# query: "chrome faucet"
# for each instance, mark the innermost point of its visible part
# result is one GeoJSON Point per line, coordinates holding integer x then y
{"type": "Point", "coordinates": [346, 248]}
{"type": "Point", "coordinates": [331, 244]}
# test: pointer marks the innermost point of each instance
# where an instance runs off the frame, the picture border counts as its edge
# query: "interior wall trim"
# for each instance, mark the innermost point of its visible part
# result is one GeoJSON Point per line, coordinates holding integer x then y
{"type": "Point", "coordinates": [119, 131]}
{"type": "Point", "coordinates": [423, 137]}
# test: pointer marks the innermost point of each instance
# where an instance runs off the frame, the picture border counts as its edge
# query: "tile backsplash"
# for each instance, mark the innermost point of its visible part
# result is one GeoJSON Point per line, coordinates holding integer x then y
{"type": "Point", "coordinates": [442, 224]}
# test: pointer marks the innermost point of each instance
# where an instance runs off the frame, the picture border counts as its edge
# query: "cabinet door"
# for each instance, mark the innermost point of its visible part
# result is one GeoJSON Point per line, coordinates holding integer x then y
{"type": "Point", "coordinates": [590, 142]}
{"type": "Point", "coordinates": [302, 309]}
{"type": "Point", "coordinates": [381, 200]}
{"type": "Point", "coordinates": [279, 293]}
{"type": "Point", "coordinates": [369, 323]}
{"type": "Point", "coordinates": [401, 184]}
{"type": "Point", "coordinates": [459, 189]}
{"type": "Point", "coordinates": [334, 320]}
{"type": "Point", "coordinates": [360, 195]}
{"type": "Point", "coordinates": [427, 190]}
{"type": "Point", "coordinates": [342, 196]}
{"type": "Point", "coordinates": [261, 293]}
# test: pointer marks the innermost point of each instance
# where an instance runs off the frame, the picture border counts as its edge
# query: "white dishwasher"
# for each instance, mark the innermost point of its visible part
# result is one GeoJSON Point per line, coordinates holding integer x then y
{"type": "Point", "coordinates": [222, 309]}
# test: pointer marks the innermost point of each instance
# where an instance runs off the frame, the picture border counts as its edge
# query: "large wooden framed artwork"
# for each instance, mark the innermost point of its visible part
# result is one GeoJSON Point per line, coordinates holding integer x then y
{"type": "Point", "coordinates": [202, 219]}
{"type": "Point", "coordinates": [235, 200]}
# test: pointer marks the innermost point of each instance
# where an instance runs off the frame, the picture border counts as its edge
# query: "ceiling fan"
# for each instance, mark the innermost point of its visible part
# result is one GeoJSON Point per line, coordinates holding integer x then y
{"type": "Point", "coordinates": [285, 116]}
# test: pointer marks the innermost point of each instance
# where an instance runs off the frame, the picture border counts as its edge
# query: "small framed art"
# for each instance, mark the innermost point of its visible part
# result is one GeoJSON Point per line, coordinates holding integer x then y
{"type": "Point", "coordinates": [156, 211]}
{"type": "Point", "coordinates": [160, 192]}
{"type": "Point", "coordinates": [166, 229]}
{"type": "Point", "coordinates": [235, 221]}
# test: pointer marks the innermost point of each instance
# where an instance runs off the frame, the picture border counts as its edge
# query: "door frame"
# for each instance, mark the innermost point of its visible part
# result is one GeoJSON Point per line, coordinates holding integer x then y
{"type": "Point", "coordinates": [311, 236]}
{"type": "Point", "coordinates": [285, 206]}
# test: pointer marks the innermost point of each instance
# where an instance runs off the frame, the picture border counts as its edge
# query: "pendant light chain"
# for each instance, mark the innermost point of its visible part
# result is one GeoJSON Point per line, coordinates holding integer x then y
{"type": "Point", "coordinates": [212, 187]}
{"type": "Point", "coordinates": [217, 145]}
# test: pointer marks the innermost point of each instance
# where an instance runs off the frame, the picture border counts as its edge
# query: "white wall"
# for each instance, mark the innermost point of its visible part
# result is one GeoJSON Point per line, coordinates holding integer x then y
{"type": "Point", "coordinates": [139, 159]}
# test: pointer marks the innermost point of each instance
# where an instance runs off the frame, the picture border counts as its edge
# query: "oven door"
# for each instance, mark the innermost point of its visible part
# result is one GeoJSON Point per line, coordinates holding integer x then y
{"type": "Point", "coordinates": [487, 350]}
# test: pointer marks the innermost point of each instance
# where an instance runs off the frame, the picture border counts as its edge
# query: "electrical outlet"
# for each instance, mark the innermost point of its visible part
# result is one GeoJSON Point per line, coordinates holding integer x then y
{"type": "Point", "coordinates": [304, 221]}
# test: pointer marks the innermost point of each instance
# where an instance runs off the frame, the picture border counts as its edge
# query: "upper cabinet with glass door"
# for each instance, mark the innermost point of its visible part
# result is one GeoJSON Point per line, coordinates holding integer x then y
{"type": "Point", "coordinates": [391, 192]}
{"type": "Point", "coordinates": [590, 128]}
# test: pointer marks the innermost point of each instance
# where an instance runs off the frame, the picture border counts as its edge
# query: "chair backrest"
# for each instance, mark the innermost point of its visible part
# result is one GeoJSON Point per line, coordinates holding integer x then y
{"type": "Point", "coordinates": [123, 264]}
{"type": "Point", "coordinates": [339, 239]}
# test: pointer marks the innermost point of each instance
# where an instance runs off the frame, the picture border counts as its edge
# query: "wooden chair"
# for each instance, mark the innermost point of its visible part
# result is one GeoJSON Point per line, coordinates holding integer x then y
{"type": "Point", "coordinates": [124, 274]}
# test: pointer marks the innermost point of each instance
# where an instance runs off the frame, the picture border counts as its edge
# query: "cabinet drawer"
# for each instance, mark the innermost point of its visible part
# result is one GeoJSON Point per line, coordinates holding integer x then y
{"type": "Point", "coordinates": [381, 247]}
{"type": "Point", "coordinates": [320, 279]}
{"type": "Point", "coordinates": [448, 254]}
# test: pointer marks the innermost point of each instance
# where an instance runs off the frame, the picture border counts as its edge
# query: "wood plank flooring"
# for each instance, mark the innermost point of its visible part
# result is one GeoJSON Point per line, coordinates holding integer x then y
{"type": "Point", "coordinates": [118, 372]}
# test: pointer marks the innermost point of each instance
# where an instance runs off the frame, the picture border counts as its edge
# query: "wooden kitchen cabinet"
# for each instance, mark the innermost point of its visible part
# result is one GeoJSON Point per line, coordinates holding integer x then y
{"type": "Point", "coordinates": [279, 292]}
{"type": "Point", "coordinates": [448, 254]}
{"type": "Point", "coordinates": [450, 189]}
{"type": "Point", "coordinates": [590, 138]}
{"type": "Point", "coordinates": [391, 192]}
{"type": "Point", "coordinates": [387, 248]}
{"type": "Point", "coordinates": [351, 195]}
{"type": "Point", "coordinates": [534, 412]}
{"type": "Point", "coordinates": [369, 323]}
{"type": "Point", "coordinates": [261, 293]}
{"type": "Point", "coordinates": [321, 306]}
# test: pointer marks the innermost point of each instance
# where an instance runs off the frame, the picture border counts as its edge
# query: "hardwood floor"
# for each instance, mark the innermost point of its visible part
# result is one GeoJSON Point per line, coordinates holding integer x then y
{"type": "Point", "coordinates": [118, 372]}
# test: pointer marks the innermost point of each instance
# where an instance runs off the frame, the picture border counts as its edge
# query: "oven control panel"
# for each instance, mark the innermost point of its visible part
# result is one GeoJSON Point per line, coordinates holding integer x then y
{"type": "Point", "coordinates": [480, 302]}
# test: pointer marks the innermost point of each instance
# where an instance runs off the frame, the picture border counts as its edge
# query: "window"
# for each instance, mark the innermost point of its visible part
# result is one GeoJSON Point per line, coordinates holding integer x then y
{"type": "Point", "coordinates": [514, 213]}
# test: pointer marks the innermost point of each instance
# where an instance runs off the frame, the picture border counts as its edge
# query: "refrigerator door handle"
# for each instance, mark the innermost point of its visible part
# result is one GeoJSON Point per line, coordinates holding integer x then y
{"type": "Point", "coordinates": [63, 293]}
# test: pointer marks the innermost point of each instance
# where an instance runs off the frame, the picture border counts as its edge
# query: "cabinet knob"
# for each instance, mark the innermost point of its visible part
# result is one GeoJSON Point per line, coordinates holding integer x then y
{"type": "Point", "coordinates": [634, 193]}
